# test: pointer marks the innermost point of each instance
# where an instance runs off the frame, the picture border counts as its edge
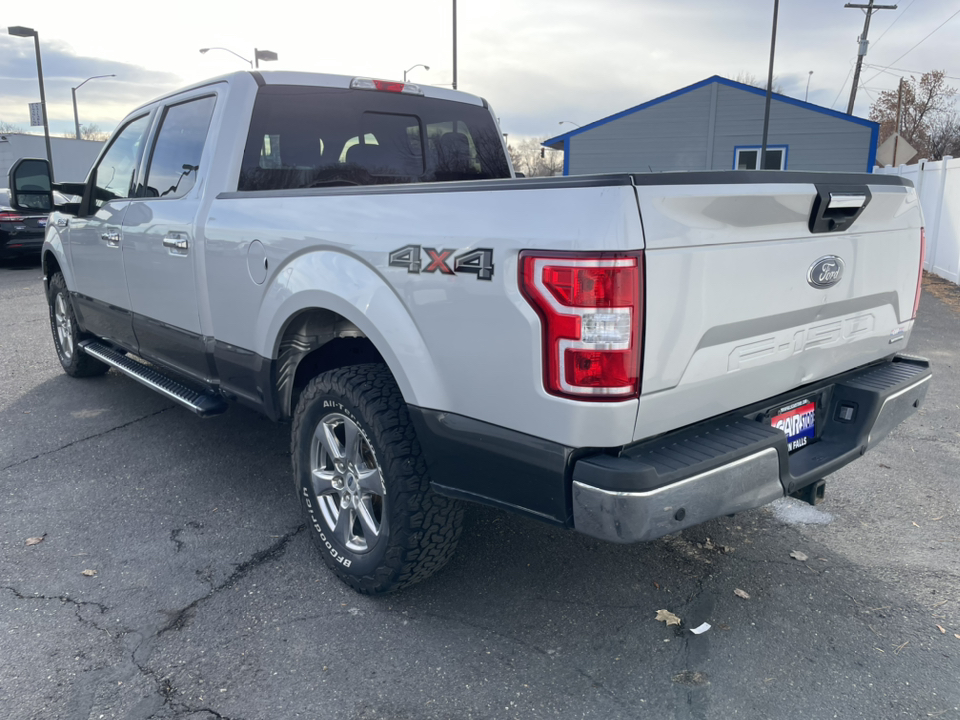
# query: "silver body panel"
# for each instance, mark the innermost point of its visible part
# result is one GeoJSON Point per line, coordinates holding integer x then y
{"type": "Point", "coordinates": [725, 274]}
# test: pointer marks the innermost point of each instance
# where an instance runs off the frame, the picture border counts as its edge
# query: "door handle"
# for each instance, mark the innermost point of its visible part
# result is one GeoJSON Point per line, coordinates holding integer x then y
{"type": "Point", "coordinates": [176, 241]}
{"type": "Point", "coordinates": [112, 237]}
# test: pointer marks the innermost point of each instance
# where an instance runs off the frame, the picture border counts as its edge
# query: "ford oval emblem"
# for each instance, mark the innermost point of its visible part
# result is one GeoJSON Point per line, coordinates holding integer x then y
{"type": "Point", "coordinates": [825, 272]}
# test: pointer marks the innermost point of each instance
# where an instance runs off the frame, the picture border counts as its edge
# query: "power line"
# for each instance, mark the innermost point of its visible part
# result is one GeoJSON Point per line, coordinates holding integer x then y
{"type": "Point", "coordinates": [915, 72]}
{"type": "Point", "coordinates": [842, 87]}
{"type": "Point", "coordinates": [919, 43]}
{"type": "Point", "coordinates": [893, 23]}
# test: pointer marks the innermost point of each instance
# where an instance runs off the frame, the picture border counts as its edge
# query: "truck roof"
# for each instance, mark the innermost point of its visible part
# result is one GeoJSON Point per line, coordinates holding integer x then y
{"type": "Point", "coordinates": [308, 79]}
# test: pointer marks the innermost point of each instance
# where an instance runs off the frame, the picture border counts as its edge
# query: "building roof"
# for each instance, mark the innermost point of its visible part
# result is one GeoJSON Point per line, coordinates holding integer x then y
{"type": "Point", "coordinates": [557, 143]}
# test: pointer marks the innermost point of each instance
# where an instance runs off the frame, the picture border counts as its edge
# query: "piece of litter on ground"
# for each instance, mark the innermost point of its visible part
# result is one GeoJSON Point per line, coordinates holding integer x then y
{"type": "Point", "coordinates": [797, 555]}
{"type": "Point", "coordinates": [668, 617]}
{"type": "Point", "coordinates": [700, 629]}
{"type": "Point", "coordinates": [942, 631]}
{"type": "Point", "coordinates": [742, 593]}
{"type": "Point", "coordinates": [35, 540]}
{"type": "Point", "coordinates": [796, 512]}
{"type": "Point", "coordinates": [915, 525]}
{"type": "Point", "coordinates": [89, 573]}
{"type": "Point", "coordinates": [956, 636]}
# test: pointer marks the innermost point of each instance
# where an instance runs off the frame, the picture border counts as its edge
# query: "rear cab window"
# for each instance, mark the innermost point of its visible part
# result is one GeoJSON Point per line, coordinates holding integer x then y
{"type": "Point", "coordinates": [303, 137]}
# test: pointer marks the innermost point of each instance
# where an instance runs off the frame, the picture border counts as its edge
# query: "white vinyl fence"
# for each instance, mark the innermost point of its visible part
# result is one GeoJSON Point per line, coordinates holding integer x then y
{"type": "Point", "coordinates": [938, 185]}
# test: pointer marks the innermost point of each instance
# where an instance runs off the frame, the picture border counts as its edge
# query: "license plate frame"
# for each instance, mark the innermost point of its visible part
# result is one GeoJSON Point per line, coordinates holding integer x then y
{"type": "Point", "coordinates": [799, 420]}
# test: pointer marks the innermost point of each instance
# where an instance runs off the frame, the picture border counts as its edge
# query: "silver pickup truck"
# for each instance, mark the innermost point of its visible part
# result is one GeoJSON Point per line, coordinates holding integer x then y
{"type": "Point", "coordinates": [624, 355]}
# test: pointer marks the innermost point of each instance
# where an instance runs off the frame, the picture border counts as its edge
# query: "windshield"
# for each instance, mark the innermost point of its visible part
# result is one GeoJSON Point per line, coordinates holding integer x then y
{"type": "Point", "coordinates": [303, 137]}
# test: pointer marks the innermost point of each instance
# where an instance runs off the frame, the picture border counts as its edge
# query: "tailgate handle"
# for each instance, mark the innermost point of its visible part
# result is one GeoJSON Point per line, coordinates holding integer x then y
{"type": "Point", "coordinates": [836, 207]}
{"type": "Point", "coordinates": [846, 200]}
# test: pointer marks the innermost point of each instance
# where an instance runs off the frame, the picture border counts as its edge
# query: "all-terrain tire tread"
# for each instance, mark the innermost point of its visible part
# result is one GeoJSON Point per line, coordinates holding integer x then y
{"type": "Point", "coordinates": [425, 527]}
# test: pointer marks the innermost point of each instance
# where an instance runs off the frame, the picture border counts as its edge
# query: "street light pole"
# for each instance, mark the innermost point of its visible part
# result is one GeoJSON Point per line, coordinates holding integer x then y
{"type": "Point", "coordinates": [73, 91]}
{"type": "Point", "coordinates": [264, 55]}
{"type": "Point", "coordinates": [454, 44]}
{"type": "Point", "coordinates": [809, 75]}
{"type": "Point", "coordinates": [203, 51]}
{"type": "Point", "coordinates": [425, 67]}
{"type": "Point", "coordinates": [258, 55]}
{"type": "Point", "coordinates": [29, 32]}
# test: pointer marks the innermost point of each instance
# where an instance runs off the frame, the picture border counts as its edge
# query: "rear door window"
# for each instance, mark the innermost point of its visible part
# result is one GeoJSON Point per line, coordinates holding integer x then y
{"type": "Point", "coordinates": [303, 137]}
{"type": "Point", "coordinates": [175, 159]}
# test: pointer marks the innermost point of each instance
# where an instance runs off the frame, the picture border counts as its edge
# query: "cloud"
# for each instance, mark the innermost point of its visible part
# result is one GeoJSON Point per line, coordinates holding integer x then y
{"type": "Point", "coordinates": [103, 101]}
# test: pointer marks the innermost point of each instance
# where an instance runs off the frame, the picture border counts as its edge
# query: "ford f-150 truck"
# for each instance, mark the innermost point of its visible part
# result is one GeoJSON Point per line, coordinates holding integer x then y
{"type": "Point", "coordinates": [625, 355]}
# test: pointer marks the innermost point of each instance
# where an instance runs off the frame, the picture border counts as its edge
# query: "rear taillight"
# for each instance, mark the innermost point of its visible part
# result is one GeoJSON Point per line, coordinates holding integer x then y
{"type": "Point", "coordinates": [592, 314]}
{"type": "Point", "coordinates": [12, 217]}
{"type": "Point", "coordinates": [923, 253]}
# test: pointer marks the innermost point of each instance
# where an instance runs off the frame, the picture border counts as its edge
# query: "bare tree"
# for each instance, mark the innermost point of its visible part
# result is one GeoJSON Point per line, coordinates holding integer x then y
{"type": "Point", "coordinates": [93, 132]}
{"type": "Point", "coordinates": [750, 79]}
{"type": "Point", "coordinates": [532, 159]}
{"type": "Point", "coordinates": [6, 127]}
{"type": "Point", "coordinates": [944, 136]}
{"type": "Point", "coordinates": [926, 106]}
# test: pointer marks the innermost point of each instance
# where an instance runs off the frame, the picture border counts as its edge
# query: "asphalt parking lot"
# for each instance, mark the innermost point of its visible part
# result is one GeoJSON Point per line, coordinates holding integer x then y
{"type": "Point", "coordinates": [176, 580]}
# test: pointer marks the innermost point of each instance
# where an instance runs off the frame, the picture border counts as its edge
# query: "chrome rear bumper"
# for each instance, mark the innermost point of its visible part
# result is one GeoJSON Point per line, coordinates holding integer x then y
{"type": "Point", "coordinates": [734, 463]}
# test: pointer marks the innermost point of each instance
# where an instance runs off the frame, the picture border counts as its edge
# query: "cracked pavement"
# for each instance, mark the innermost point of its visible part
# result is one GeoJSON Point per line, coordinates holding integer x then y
{"type": "Point", "coordinates": [209, 600]}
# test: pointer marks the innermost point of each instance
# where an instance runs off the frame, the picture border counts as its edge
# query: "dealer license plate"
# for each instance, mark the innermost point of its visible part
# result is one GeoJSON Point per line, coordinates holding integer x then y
{"type": "Point", "coordinates": [797, 420]}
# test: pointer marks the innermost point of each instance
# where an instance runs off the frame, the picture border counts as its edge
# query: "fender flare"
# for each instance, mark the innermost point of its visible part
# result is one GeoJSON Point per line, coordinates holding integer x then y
{"type": "Point", "coordinates": [53, 245]}
{"type": "Point", "coordinates": [333, 281]}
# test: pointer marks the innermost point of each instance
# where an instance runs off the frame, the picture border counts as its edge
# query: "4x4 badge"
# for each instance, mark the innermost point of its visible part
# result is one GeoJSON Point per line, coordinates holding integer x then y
{"type": "Point", "coordinates": [478, 262]}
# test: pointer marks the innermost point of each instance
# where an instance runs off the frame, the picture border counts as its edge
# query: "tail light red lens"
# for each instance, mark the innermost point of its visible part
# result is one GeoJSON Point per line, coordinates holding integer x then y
{"type": "Point", "coordinates": [11, 217]}
{"type": "Point", "coordinates": [923, 255]}
{"type": "Point", "coordinates": [592, 314]}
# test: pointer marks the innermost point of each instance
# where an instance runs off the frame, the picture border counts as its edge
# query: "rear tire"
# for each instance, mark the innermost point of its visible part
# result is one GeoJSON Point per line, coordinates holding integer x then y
{"type": "Point", "coordinates": [66, 334]}
{"type": "Point", "coordinates": [363, 486]}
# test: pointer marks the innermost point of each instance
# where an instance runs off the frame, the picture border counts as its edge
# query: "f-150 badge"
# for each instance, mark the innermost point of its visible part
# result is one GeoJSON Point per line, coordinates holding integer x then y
{"type": "Point", "coordinates": [411, 257]}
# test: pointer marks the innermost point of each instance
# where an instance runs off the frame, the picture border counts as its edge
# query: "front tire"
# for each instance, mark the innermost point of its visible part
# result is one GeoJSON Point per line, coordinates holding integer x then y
{"type": "Point", "coordinates": [66, 334]}
{"type": "Point", "coordinates": [362, 483]}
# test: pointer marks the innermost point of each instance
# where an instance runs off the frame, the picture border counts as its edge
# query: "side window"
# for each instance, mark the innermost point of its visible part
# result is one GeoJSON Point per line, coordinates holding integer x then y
{"type": "Point", "coordinates": [114, 175]}
{"type": "Point", "coordinates": [176, 154]}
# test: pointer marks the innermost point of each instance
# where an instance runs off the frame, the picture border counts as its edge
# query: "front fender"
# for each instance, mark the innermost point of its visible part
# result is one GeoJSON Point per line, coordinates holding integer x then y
{"type": "Point", "coordinates": [55, 244]}
{"type": "Point", "coordinates": [333, 281]}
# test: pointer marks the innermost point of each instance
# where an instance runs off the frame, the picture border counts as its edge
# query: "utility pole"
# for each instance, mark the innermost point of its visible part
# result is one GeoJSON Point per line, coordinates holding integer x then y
{"type": "Point", "coordinates": [455, 44]}
{"type": "Point", "coordinates": [869, 10]}
{"type": "Point", "coordinates": [896, 132]}
{"type": "Point", "coordinates": [762, 165]}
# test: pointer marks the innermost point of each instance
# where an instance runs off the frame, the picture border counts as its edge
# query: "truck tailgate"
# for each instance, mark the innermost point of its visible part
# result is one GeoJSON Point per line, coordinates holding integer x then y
{"type": "Point", "coordinates": [731, 316]}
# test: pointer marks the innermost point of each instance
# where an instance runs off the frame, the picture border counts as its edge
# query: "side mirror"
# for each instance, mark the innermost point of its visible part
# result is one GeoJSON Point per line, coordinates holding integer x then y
{"type": "Point", "coordinates": [30, 188]}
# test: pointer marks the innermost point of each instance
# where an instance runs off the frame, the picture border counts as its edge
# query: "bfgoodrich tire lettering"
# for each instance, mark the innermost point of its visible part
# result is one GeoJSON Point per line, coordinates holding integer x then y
{"type": "Point", "coordinates": [362, 483]}
{"type": "Point", "coordinates": [66, 334]}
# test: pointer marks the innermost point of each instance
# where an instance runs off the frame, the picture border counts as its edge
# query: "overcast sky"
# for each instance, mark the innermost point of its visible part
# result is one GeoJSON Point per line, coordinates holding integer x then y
{"type": "Point", "coordinates": [537, 62]}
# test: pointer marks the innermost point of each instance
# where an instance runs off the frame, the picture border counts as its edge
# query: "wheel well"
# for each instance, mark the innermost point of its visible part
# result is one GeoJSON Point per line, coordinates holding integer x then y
{"type": "Point", "coordinates": [50, 268]}
{"type": "Point", "coordinates": [313, 342]}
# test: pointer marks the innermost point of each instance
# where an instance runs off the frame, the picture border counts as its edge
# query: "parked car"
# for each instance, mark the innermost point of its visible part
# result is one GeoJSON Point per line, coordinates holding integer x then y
{"type": "Point", "coordinates": [21, 233]}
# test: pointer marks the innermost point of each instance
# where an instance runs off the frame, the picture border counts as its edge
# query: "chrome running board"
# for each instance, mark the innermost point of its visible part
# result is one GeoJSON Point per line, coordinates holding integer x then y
{"type": "Point", "coordinates": [203, 404]}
